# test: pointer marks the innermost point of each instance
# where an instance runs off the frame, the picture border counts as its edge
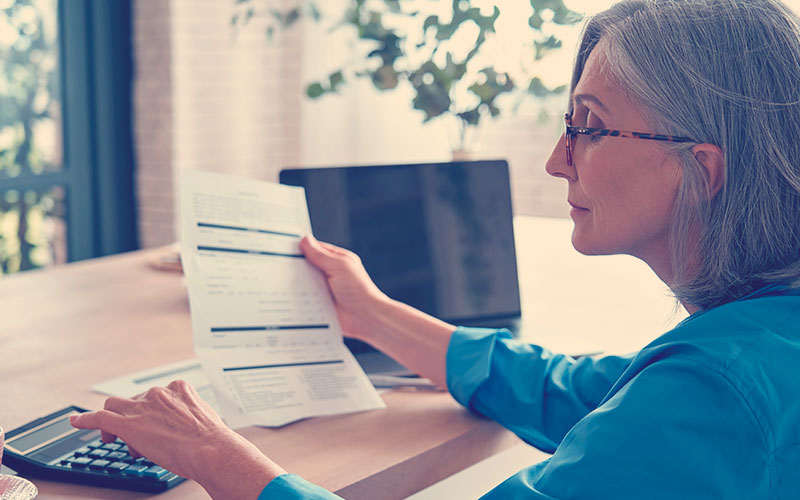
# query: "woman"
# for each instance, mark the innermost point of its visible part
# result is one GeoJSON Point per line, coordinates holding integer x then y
{"type": "Point", "coordinates": [709, 409]}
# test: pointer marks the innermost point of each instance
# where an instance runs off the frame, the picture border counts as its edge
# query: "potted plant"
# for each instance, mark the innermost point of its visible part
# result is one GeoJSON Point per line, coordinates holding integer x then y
{"type": "Point", "coordinates": [408, 42]}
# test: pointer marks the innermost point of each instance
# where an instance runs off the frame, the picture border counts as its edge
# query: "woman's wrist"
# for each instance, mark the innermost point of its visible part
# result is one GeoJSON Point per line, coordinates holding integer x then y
{"type": "Point", "coordinates": [380, 318]}
{"type": "Point", "coordinates": [232, 467]}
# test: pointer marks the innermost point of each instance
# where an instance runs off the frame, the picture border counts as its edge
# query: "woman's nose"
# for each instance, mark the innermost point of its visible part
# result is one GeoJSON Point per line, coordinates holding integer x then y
{"type": "Point", "coordinates": [557, 163]}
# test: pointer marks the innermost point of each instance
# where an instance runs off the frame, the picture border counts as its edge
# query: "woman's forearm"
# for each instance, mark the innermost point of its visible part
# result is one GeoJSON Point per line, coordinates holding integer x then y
{"type": "Point", "coordinates": [416, 340]}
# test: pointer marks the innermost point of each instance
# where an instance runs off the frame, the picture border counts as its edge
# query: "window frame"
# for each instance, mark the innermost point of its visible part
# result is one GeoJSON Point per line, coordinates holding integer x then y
{"type": "Point", "coordinates": [95, 66]}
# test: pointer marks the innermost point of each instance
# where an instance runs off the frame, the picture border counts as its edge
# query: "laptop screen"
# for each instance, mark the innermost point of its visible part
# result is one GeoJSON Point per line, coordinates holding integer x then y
{"type": "Point", "coordinates": [438, 236]}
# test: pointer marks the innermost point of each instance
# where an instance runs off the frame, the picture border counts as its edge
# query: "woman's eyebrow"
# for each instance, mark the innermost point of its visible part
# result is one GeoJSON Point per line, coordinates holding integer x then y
{"type": "Point", "coordinates": [582, 98]}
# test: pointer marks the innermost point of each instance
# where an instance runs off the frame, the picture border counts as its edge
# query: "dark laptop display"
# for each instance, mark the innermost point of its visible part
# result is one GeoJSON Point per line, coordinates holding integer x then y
{"type": "Point", "coordinates": [436, 236]}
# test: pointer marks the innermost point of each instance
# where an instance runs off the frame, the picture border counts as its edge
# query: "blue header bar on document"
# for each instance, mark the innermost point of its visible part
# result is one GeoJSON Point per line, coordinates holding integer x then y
{"type": "Point", "coordinates": [248, 229]}
{"type": "Point", "coordinates": [249, 251]}
{"type": "Point", "coordinates": [286, 365]}
{"type": "Point", "coordinates": [220, 329]}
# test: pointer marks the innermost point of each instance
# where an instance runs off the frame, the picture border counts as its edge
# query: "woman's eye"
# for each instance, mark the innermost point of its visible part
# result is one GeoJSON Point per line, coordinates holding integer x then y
{"type": "Point", "coordinates": [593, 122]}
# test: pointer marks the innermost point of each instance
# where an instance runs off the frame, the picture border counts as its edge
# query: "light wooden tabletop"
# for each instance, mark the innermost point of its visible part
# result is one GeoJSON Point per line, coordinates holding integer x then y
{"type": "Point", "coordinates": [67, 328]}
{"type": "Point", "coordinates": [64, 329]}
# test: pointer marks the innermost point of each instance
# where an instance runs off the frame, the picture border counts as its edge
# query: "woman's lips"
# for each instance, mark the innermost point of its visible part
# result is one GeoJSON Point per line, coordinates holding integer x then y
{"type": "Point", "coordinates": [577, 210]}
{"type": "Point", "coordinates": [576, 206]}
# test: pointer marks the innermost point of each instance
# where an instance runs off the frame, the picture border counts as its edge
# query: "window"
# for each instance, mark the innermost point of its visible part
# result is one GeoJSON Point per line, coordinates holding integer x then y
{"type": "Point", "coordinates": [65, 150]}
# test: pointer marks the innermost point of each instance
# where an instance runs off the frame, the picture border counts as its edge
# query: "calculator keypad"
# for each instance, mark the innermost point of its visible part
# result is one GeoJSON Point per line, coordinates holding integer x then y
{"type": "Point", "coordinates": [113, 458]}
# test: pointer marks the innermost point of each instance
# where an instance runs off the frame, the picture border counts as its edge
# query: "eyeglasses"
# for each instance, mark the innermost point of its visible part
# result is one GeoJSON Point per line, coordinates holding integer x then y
{"type": "Point", "coordinates": [573, 132]}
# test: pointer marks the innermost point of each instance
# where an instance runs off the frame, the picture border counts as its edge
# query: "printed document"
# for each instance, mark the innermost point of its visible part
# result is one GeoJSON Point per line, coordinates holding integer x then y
{"type": "Point", "coordinates": [265, 327]}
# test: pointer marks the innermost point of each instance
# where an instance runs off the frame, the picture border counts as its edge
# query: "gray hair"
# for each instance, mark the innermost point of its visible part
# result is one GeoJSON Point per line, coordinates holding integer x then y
{"type": "Point", "coordinates": [724, 72]}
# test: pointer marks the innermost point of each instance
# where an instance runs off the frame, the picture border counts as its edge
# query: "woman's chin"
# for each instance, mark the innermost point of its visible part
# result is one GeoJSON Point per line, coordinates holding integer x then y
{"type": "Point", "coordinates": [587, 245]}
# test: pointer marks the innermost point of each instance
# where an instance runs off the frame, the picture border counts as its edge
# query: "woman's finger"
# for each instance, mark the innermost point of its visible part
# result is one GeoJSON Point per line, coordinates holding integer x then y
{"type": "Point", "coordinates": [317, 254]}
{"type": "Point", "coordinates": [118, 405]}
{"type": "Point", "coordinates": [105, 420]}
{"type": "Point", "coordinates": [133, 452]}
{"type": "Point", "coordinates": [107, 437]}
{"type": "Point", "coordinates": [183, 388]}
{"type": "Point", "coordinates": [334, 249]}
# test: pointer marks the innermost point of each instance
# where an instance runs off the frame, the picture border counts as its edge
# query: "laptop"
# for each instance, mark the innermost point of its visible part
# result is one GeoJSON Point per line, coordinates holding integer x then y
{"type": "Point", "coordinates": [437, 236]}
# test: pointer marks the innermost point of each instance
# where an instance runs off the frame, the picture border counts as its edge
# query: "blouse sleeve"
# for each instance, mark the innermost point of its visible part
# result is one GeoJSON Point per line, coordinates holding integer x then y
{"type": "Point", "coordinates": [537, 394]}
{"type": "Point", "coordinates": [678, 429]}
{"type": "Point", "coordinates": [294, 487]}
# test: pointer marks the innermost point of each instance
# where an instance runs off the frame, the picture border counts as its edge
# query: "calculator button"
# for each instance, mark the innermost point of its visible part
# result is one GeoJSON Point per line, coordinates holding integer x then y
{"type": "Point", "coordinates": [135, 470]}
{"type": "Point", "coordinates": [128, 460]}
{"type": "Point", "coordinates": [111, 446]}
{"type": "Point", "coordinates": [99, 464]}
{"type": "Point", "coordinates": [155, 472]}
{"type": "Point", "coordinates": [82, 451]}
{"type": "Point", "coordinates": [97, 443]}
{"type": "Point", "coordinates": [80, 463]}
{"type": "Point", "coordinates": [98, 453]}
{"type": "Point", "coordinates": [115, 455]}
{"type": "Point", "coordinates": [144, 461]}
{"type": "Point", "coordinates": [124, 449]}
{"type": "Point", "coordinates": [117, 467]}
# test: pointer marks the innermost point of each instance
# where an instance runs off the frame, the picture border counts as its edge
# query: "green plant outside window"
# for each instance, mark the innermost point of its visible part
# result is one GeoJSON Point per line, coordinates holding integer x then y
{"type": "Point", "coordinates": [32, 214]}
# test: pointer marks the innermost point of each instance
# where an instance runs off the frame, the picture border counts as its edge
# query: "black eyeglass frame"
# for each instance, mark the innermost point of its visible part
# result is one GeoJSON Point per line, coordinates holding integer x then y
{"type": "Point", "coordinates": [572, 132]}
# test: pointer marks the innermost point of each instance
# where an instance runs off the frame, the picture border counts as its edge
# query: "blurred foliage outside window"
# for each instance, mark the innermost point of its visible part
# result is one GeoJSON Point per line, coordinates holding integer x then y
{"type": "Point", "coordinates": [437, 47]}
{"type": "Point", "coordinates": [32, 208]}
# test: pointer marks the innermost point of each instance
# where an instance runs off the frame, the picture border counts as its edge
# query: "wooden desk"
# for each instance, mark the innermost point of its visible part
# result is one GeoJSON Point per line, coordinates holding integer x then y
{"type": "Point", "coordinates": [66, 328]}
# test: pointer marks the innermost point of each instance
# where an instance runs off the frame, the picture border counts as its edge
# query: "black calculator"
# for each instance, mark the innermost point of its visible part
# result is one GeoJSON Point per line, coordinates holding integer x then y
{"type": "Point", "coordinates": [52, 449]}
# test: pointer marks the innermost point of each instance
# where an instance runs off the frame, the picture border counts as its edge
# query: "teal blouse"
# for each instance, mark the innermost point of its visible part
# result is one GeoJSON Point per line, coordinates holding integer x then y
{"type": "Point", "coordinates": [711, 409]}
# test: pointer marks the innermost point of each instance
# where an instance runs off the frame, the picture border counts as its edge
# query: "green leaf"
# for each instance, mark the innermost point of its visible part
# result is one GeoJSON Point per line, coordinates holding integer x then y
{"type": "Point", "coordinates": [494, 85]}
{"type": "Point", "coordinates": [549, 44]}
{"type": "Point", "coordinates": [277, 15]}
{"type": "Point", "coordinates": [430, 22]}
{"type": "Point", "coordinates": [314, 12]}
{"type": "Point", "coordinates": [471, 116]}
{"type": "Point", "coordinates": [315, 90]}
{"type": "Point", "coordinates": [562, 15]}
{"type": "Point", "coordinates": [335, 79]}
{"type": "Point", "coordinates": [536, 21]}
{"type": "Point", "coordinates": [388, 49]}
{"type": "Point", "coordinates": [432, 100]}
{"type": "Point", "coordinates": [538, 89]}
{"type": "Point", "coordinates": [393, 6]}
{"type": "Point", "coordinates": [566, 17]}
{"type": "Point", "coordinates": [374, 29]}
{"type": "Point", "coordinates": [291, 17]}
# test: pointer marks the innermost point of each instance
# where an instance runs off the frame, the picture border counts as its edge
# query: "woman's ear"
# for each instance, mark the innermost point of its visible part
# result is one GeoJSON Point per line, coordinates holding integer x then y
{"type": "Point", "coordinates": [712, 159]}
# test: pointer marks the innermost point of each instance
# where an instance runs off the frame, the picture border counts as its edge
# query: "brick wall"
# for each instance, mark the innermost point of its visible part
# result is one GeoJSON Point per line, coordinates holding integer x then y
{"type": "Point", "coordinates": [152, 98]}
{"type": "Point", "coordinates": [235, 93]}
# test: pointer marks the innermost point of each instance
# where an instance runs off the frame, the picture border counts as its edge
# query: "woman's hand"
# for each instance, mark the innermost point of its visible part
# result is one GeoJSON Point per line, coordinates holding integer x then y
{"type": "Point", "coordinates": [176, 429]}
{"type": "Point", "coordinates": [415, 339]}
{"type": "Point", "coordinates": [358, 300]}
